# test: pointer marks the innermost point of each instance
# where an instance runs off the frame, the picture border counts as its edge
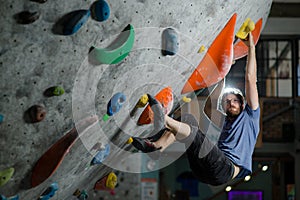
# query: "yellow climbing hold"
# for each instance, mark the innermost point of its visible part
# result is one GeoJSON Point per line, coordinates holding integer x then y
{"type": "Point", "coordinates": [186, 99]}
{"type": "Point", "coordinates": [246, 27]}
{"type": "Point", "coordinates": [201, 49]}
{"type": "Point", "coordinates": [111, 180]}
{"type": "Point", "coordinates": [6, 175]}
{"type": "Point", "coordinates": [143, 101]}
{"type": "Point", "coordinates": [129, 141]}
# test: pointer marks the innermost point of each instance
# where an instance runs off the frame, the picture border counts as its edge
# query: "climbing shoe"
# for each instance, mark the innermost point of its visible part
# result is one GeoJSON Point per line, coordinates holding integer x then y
{"type": "Point", "coordinates": [144, 145]}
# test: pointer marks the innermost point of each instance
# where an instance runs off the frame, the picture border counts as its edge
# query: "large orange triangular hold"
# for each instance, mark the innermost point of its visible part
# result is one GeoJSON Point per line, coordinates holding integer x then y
{"type": "Point", "coordinates": [240, 49]}
{"type": "Point", "coordinates": [165, 97]}
{"type": "Point", "coordinates": [217, 61]}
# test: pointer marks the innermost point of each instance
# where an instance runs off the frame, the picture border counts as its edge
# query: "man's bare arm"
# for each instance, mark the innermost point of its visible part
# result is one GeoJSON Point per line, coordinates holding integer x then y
{"type": "Point", "coordinates": [250, 75]}
{"type": "Point", "coordinates": [212, 103]}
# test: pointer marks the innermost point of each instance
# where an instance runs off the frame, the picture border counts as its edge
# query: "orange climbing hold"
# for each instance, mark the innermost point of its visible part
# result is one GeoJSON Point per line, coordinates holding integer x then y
{"type": "Point", "coordinates": [217, 61]}
{"type": "Point", "coordinates": [165, 97]}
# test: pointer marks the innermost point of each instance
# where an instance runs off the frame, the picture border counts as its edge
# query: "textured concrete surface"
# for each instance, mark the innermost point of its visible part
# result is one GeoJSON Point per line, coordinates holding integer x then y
{"type": "Point", "coordinates": [33, 58]}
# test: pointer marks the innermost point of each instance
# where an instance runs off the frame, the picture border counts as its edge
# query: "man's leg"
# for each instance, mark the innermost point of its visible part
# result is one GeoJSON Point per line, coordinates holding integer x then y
{"type": "Point", "coordinates": [179, 129]}
{"type": "Point", "coordinates": [165, 140]}
{"type": "Point", "coordinates": [161, 137]}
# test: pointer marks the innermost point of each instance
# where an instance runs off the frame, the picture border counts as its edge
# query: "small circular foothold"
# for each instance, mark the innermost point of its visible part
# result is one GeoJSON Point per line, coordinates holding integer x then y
{"type": "Point", "coordinates": [186, 99]}
{"type": "Point", "coordinates": [129, 141]}
{"type": "Point", "coordinates": [37, 113]}
{"type": "Point", "coordinates": [105, 117]}
{"type": "Point", "coordinates": [201, 49]}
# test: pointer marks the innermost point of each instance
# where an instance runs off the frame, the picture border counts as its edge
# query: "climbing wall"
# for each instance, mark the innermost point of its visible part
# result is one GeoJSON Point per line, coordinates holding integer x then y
{"type": "Point", "coordinates": [43, 49]}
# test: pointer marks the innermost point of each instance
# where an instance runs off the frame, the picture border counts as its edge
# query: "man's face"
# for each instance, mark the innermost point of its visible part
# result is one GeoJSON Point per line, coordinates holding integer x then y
{"type": "Point", "coordinates": [232, 105]}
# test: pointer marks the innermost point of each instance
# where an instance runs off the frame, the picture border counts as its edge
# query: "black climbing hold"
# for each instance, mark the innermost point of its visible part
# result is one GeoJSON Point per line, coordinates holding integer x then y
{"type": "Point", "coordinates": [39, 1]}
{"type": "Point", "coordinates": [35, 113]}
{"type": "Point", "coordinates": [26, 17]}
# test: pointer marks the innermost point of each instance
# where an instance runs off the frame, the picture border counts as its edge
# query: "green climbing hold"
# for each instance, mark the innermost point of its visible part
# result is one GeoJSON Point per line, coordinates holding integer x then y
{"type": "Point", "coordinates": [54, 91]}
{"type": "Point", "coordinates": [6, 175]}
{"type": "Point", "coordinates": [105, 117]}
{"type": "Point", "coordinates": [58, 91]}
{"type": "Point", "coordinates": [117, 50]}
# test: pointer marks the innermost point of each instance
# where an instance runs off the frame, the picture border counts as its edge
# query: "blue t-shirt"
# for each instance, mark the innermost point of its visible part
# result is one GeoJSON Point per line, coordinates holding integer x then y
{"type": "Point", "coordinates": [238, 138]}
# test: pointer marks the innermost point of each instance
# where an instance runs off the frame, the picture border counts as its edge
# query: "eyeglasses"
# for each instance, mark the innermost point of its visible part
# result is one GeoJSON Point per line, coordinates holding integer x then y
{"type": "Point", "coordinates": [228, 101]}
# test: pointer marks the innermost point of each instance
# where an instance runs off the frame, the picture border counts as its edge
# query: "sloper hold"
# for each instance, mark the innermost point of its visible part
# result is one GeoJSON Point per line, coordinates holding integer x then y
{"type": "Point", "coordinates": [77, 19]}
{"type": "Point", "coordinates": [100, 10]}
{"type": "Point", "coordinates": [170, 42]}
{"type": "Point", "coordinates": [217, 61]}
{"type": "Point", "coordinates": [117, 50]}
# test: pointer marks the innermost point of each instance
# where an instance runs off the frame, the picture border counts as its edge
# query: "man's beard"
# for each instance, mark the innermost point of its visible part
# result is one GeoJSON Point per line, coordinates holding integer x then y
{"type": "Point", "coordinates": [231, 114]}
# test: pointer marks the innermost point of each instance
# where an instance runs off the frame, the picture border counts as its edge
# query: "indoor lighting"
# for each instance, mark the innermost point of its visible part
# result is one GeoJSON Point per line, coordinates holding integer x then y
{"type": "Point", "coordinates": [247, 178]}
{"type": "Point", "coordinates": [228, 188]}
{"type": "Point", "coordinates": [264, 168]}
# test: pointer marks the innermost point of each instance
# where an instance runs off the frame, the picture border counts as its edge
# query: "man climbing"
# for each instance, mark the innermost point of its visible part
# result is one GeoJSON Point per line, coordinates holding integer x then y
{"type": "Point", "coordinates": [232, 156]}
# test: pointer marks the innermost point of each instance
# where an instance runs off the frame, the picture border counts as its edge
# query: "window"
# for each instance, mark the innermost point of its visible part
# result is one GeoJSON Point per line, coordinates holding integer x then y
{"type": "Point", "coordinates": [278, 68]}
{"type": "Point", "coordinates": [275, 57]}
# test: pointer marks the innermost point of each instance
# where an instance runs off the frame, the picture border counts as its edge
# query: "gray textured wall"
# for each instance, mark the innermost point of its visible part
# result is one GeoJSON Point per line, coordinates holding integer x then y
{"type": "Point", "coordinates": [33, 59]}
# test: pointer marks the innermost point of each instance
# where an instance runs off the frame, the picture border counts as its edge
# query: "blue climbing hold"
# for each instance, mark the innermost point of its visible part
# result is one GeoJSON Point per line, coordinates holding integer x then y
{"type": "Point", "coordinates": [75, 20]}
{"type": "Point", "coordinates": [16, 197]}
{"type": "Point", "coordinates": [170, 42]}
{"type": "Point", "coordinates": [1, 118]}
{"type": "Point", "coordinates": [49, 192]}
{"type": "Point", "coordinates": [100, 10]}
{"type": "Point", "coordinates": [101, 155]}
{"type": "Point", "coordinates": [115, 103]}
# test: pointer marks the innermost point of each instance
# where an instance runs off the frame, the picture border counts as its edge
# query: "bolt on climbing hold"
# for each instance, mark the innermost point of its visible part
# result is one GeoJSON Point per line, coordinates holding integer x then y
{"type": "Point", "coordinates": [100, 10]}
{"type": "Point", "coordinates": [201, 49]}
{"type": "Point", "coordinates": [26, 17]}
{"type": "Point", "coordinates": [54, 91]}
{"type": "Point", "coordinates": [5, 175]}
{"type": "Point", "coordinates": [114, 105]}
{"type": "Point", "coordinates": [170, 42]}
{"type": "Point", "coordinates": [140, 104]}
{"type": "Point", "coordinates": [186, 99]}
{"type": "Point", "coordinates": [129, 141]}
{"type": "Point", "coordinates": [35, 113]}
{"type": "Point", "coordinates": [1, 118]}
{"type": "Point", "coordinates": [245, 29]}
{"type": "Point", "coordinates": [107, 183]}
{"type": "Point", "coordinates": [49, 192]}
